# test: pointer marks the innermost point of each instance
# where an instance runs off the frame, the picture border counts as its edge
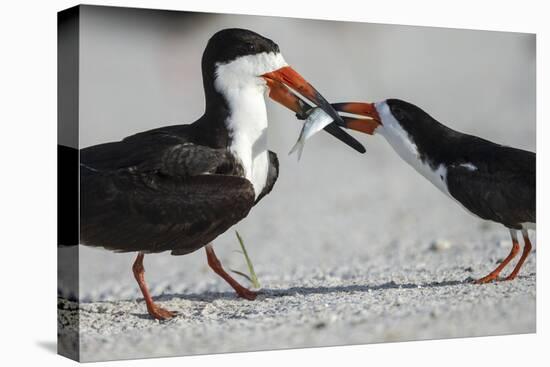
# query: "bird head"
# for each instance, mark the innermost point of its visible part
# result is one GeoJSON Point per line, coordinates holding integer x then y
{"type": "Point", "coordinates": [239, 58]}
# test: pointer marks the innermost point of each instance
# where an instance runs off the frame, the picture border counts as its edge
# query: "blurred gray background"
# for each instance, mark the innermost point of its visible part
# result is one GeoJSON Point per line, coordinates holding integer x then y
{"type": "Point", "coordinates": [335, 212]}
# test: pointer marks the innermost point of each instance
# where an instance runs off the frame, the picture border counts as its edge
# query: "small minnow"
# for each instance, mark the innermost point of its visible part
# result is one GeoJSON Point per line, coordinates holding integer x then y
{"type": "Point", "coordinates": [316, 121]}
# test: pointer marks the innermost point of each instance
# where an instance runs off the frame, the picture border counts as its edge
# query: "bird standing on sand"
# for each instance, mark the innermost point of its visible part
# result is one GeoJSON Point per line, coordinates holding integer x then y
{"type": "Point", "coordinates": [177, 188]}
{"type": "Point", "coordinates": [491, 181]}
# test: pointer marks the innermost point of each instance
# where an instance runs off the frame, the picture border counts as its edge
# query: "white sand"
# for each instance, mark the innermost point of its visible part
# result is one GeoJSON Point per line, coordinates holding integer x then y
{"type": "Point", "coordinates": [353, 261]}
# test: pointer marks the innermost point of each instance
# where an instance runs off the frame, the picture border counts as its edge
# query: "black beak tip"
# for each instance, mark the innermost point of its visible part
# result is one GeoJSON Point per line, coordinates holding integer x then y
{"type": "Point", "coordinates": [334, 130]}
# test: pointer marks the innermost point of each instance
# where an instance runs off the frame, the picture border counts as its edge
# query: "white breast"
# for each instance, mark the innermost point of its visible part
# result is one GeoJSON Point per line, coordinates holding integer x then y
{"type": "Point", "coordinates": [240, 83]}
{"type": "Point", "coordinates": [247, 127]}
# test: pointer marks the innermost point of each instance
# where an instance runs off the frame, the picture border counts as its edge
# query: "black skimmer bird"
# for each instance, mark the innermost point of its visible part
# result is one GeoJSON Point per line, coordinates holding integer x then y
{"type": "Point", "coordinates": [177, 188]}
{"type": "Point", "coordinates": [491, 181]}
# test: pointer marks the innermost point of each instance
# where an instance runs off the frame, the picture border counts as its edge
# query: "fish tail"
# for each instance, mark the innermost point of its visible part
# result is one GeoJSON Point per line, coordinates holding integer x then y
{"type": "Point", "coordinates": [299, 146]}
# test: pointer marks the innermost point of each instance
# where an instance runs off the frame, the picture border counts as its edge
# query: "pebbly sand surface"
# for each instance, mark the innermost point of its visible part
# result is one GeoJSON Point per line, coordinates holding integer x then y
{"type": "Point", "coordinates": [348, 248]}
{"type": "Point", "coordinates": [326, 292]}
{"type": "Point", "coordinates": [368, 274]}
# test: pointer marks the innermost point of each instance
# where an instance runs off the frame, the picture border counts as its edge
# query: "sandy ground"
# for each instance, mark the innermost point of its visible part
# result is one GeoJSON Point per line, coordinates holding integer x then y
{"type": "Point", "coordinates": [390, 266]}
{"type": "Point", "coordinates": [348, 248]}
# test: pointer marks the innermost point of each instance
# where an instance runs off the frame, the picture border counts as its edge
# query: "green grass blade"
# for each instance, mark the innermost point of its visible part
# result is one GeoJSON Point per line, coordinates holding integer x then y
{"type": "Point", "coordinates": [241, 274]}
{"type": "Point", "coordinates": [253, 277]}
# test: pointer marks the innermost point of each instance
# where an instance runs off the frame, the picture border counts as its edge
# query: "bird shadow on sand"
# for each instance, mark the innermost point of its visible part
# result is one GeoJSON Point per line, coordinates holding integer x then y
{"type": "Point", "coordinates": [266, 293]}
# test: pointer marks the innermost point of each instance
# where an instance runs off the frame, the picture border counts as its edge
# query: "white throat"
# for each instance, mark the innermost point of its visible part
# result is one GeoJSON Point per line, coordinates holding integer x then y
{"type": "Point", "coordinates": [405, 147]}
{"type": "Point", "coordinates": [239, 82]}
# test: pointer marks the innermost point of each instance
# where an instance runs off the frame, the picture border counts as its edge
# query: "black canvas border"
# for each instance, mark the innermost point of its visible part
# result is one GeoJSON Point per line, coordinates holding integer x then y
{"type": "Point", "coordinates": [68, 339]}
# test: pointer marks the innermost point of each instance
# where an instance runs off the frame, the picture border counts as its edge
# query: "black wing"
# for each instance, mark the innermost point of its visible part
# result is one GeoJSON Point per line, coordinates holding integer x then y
{"type": "Point", "coordinates": [135, 149]}
{"type": "Point", "coordinates": [175, 197]}
{"type": "Point", "coordinates": [501, 188]}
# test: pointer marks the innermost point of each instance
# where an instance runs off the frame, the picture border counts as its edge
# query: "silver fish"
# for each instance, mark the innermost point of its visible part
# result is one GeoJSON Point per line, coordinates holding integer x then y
{"type": "Point", "coordinates": [316, 121]}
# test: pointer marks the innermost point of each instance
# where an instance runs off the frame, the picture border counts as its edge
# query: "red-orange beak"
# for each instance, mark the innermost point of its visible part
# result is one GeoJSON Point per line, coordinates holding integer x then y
{"type": "Point", "coordinates": [286, 76]}
{"type": "Point", "coordinates": [367, 126]}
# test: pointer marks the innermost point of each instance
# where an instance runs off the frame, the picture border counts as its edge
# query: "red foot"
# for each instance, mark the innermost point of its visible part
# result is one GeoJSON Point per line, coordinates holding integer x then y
{"type": "Point", "coordinates": [160, 313]}
{"type": "Point", "coordinates": [493, 276]}
{"type": "Point", "coordinates": [511, 277]}
{"type": "Point", "coordinates": [526, 250]}
{"type": "Point", "coordinates": [247, 294]}
{"type": "Point", "coordinates": [487, 279]}
{"type": "Point", "coordinates": [216, 265]}
{"type": "Point", "coordinates": [155, 311]}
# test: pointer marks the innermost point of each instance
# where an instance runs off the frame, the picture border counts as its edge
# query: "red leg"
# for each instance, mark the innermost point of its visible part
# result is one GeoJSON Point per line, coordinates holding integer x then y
{"type": "Point", "coordinates": [155, 311]}
{"type": "Point", "coordinates": [526, 249]}
{"type": "Point", "coordinates": [494, 274]}
{"type": "Point", "coordinates": [216, 265]}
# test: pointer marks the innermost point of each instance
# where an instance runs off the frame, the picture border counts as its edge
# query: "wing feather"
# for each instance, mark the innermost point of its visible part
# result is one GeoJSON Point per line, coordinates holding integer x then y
{"type": "Point", "coordinates": [157, 191]}
{"type": "Point", "coordinates": [501, 187]}
{"type": "Point", "coordinates": [152, 213]}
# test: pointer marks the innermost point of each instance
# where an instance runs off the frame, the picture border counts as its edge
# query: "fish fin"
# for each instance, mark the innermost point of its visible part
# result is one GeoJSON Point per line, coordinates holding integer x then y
{"type": "Point", "coordinates": [301, 150]}
{"type": "Point", "coordinates": [299, 146]}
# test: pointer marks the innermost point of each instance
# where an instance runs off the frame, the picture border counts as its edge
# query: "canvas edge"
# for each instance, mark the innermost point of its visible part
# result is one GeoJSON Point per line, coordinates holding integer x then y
{"type": "Point", "coordinates": [68, 338]}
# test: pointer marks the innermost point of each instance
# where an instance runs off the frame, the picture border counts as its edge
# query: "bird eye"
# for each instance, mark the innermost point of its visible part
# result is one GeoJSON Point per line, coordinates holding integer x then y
{"type": "Point", "coordinates": [397, 113]}
{"type": "Point", "coordinates": [251, 47]}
